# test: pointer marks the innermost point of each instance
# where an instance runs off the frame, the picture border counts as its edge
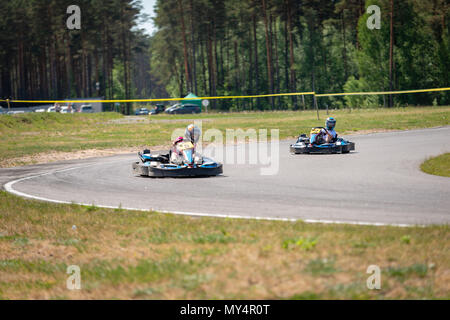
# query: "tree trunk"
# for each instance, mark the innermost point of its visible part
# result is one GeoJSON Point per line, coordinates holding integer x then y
{"type": "Point", "coordinates": [291, 57]}
{"type": "Point", "coordinates": [391, 54]}
{"type": "Point", "coordinates": [96, 72]}
{"type": "Point", "coordinates": [194, 69]}
{"type": "Point", "coordinates": [286, 56]}
{"type": "Point", "coordinates": [250, 71]}
{"type": "Point", "coordinates": [221, 77]}
{"type": "Point", "coordinates": [125, 64]}
{"type": "Point", "coordinates": [275, 48]}
{"type": "Point", "coordinates": [202, 58]}
{"type": "Point", "coordinates": [185, 51]}
{"type": "Point", "coordinates": [255, 49]}
{"type": "Point", "coordinates": [344, 50]}
{"type": "Point", "coordinates": [236, 67]}
{"type": "Point", "coordinates": [211, 65]}
{"type": "Point", "coordinates": [214, 62]}
{"type": "Point", "coordinates": [269, 53]}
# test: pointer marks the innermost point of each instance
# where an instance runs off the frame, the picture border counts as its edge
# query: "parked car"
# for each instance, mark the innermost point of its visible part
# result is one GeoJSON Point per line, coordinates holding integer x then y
{"type": "Point", "coordinates": [142, 112]}
{"type": "Point", "coordinates": [158, 109]}
{"type": "Point", "coordinates": [87, 108]}
{"type": "Point", "coordinates": [185, 109]}
{"type": "Point", "coordinates": [51, 109]}
{"type": "Point", "coordinates": [64, 109]}
{"type": "Point", "coordinates": [171, 108]}
{"type": "Point", "coordinates": [15, 112]}
{"type": "Point", "coordinates": [40, 110]}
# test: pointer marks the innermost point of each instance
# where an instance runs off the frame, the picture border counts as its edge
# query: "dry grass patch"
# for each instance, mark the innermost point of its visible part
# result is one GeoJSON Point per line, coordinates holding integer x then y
{"type": "Point", "coordinates": [146, 255]}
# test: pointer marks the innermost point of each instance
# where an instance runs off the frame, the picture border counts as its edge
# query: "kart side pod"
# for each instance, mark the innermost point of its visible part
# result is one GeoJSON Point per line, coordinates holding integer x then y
{"type": "Point", "coordinates": [303, 145]}
{"type": "Point", "coordinates": [160, 166]}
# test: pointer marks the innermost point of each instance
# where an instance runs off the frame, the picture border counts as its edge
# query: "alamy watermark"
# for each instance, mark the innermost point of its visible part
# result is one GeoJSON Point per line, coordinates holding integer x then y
{"type": "Point", "coordinates": [74, 20]}
{"type": "Point", "coordinates": [241, 147]}
{"type": "Point", "coordinates": [374, 21]}
{"type": "Point", "coordinates": [374, 281]}
{"type": "Point", "coordinates": [74, 280]}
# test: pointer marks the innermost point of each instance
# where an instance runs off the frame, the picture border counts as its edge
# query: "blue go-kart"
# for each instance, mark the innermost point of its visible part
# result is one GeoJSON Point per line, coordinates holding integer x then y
{"type": "Point", "coordinates": [312, 145]}
{"type": "Point", "coordinates": [181, 161]}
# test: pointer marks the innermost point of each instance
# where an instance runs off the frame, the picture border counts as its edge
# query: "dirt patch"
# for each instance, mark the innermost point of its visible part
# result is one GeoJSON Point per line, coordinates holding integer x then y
{"type": "Point", "coordinates": [370, 131]}
{"type": "Point", "coordinates": [54, 156]}
{"type": "Point", "coordinates": [132, 119]}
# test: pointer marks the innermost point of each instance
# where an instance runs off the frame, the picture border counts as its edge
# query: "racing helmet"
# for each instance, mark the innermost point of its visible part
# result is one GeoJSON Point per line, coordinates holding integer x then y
{"type": "Point", "coordinates": [177, 140]}
{"type": "Point", "coordinates": [330, 123]}
{"type": "Point", "coordinates": [192, 133]}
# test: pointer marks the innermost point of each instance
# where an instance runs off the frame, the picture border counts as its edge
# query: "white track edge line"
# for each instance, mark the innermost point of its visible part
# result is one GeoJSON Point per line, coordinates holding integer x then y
{"type": "Point", "coordinates": [9, 188]}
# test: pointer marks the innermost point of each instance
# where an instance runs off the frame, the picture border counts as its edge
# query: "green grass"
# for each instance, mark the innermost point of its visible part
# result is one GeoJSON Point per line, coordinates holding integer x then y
{"type": "Point", "coordinates": [321, 266]}
{"type": "Point", "coordinates": [144, 271]}
{"type": "Point", "coordinates": [305, 244]}
{"type": "Point", "coordinates": [148, 255]}
{"type": "Point", "coordinates": [439, 166]}
{"type": "Point", "coordinates": [32, 134]}
{"type": "Point", "coordinates": [419, 269]}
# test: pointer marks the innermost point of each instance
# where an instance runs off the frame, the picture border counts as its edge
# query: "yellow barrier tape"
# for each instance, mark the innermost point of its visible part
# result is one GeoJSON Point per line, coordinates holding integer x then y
{"type": "Point", "coordinates": [230, 97]}
{"type": "Point", "coordinates": [380, 92]}
{"type": "Point", "coordinates": [162, 99]}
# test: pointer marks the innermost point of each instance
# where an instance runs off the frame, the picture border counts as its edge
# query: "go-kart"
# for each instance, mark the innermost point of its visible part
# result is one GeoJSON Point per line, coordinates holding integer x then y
{"type": "Point", "coordinates": [310, 144]}
{"type": "Point", "coordinates": [181, 161]}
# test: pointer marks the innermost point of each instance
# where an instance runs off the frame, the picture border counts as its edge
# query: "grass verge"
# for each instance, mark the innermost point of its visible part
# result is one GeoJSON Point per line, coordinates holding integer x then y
{"type": "Point", "coordinates": [148, 255]}
{"type": "Point", "coordinates": [24, 135]}
{"type": "Point", "coordinates": [439, 166]}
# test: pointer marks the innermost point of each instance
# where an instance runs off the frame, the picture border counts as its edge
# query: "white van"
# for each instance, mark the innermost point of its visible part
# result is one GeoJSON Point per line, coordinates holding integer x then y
{"type": "Point", "coordinates": [87, 108]}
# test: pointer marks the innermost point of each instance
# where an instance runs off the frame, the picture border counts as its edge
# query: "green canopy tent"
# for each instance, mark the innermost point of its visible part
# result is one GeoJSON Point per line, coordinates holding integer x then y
{"type": "Point", "coordinates": [192, 96]}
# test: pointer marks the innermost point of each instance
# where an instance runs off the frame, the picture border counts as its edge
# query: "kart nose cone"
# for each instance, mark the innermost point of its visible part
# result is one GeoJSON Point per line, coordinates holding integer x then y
{"type": "Point", "coordinates": [188, 155]}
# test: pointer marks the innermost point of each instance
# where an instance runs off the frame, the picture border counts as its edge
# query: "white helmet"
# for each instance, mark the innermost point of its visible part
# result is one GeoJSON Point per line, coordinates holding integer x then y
{"type": "Point", "coordinates": [192, 133]}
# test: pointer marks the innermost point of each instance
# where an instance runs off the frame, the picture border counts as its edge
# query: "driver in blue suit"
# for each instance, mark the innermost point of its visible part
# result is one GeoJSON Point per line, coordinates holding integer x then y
{"type": "Point", "coordinates": [327, 134]}
{"type": "Point", "coordinates": [330, 134]}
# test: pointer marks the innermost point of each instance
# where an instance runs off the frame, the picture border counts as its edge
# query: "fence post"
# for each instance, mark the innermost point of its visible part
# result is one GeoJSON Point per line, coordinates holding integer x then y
{"type": "Point", "coordinates": [315, 104]}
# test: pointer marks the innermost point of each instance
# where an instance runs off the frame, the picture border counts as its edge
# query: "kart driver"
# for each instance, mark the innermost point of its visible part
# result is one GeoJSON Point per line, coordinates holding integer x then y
{"type": "Point", "coordinates": [327, 134]}
{"type": "Point", "coordinates": [192, 134]}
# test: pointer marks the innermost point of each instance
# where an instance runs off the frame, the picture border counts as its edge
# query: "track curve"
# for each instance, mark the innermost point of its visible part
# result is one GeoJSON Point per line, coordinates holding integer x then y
{"type": "Point", "coordinates": [380, 183]}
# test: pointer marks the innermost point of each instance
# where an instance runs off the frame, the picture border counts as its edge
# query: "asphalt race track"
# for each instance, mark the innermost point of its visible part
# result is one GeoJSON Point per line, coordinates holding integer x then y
{"type": "Point", "coordinates": [380, 183]}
